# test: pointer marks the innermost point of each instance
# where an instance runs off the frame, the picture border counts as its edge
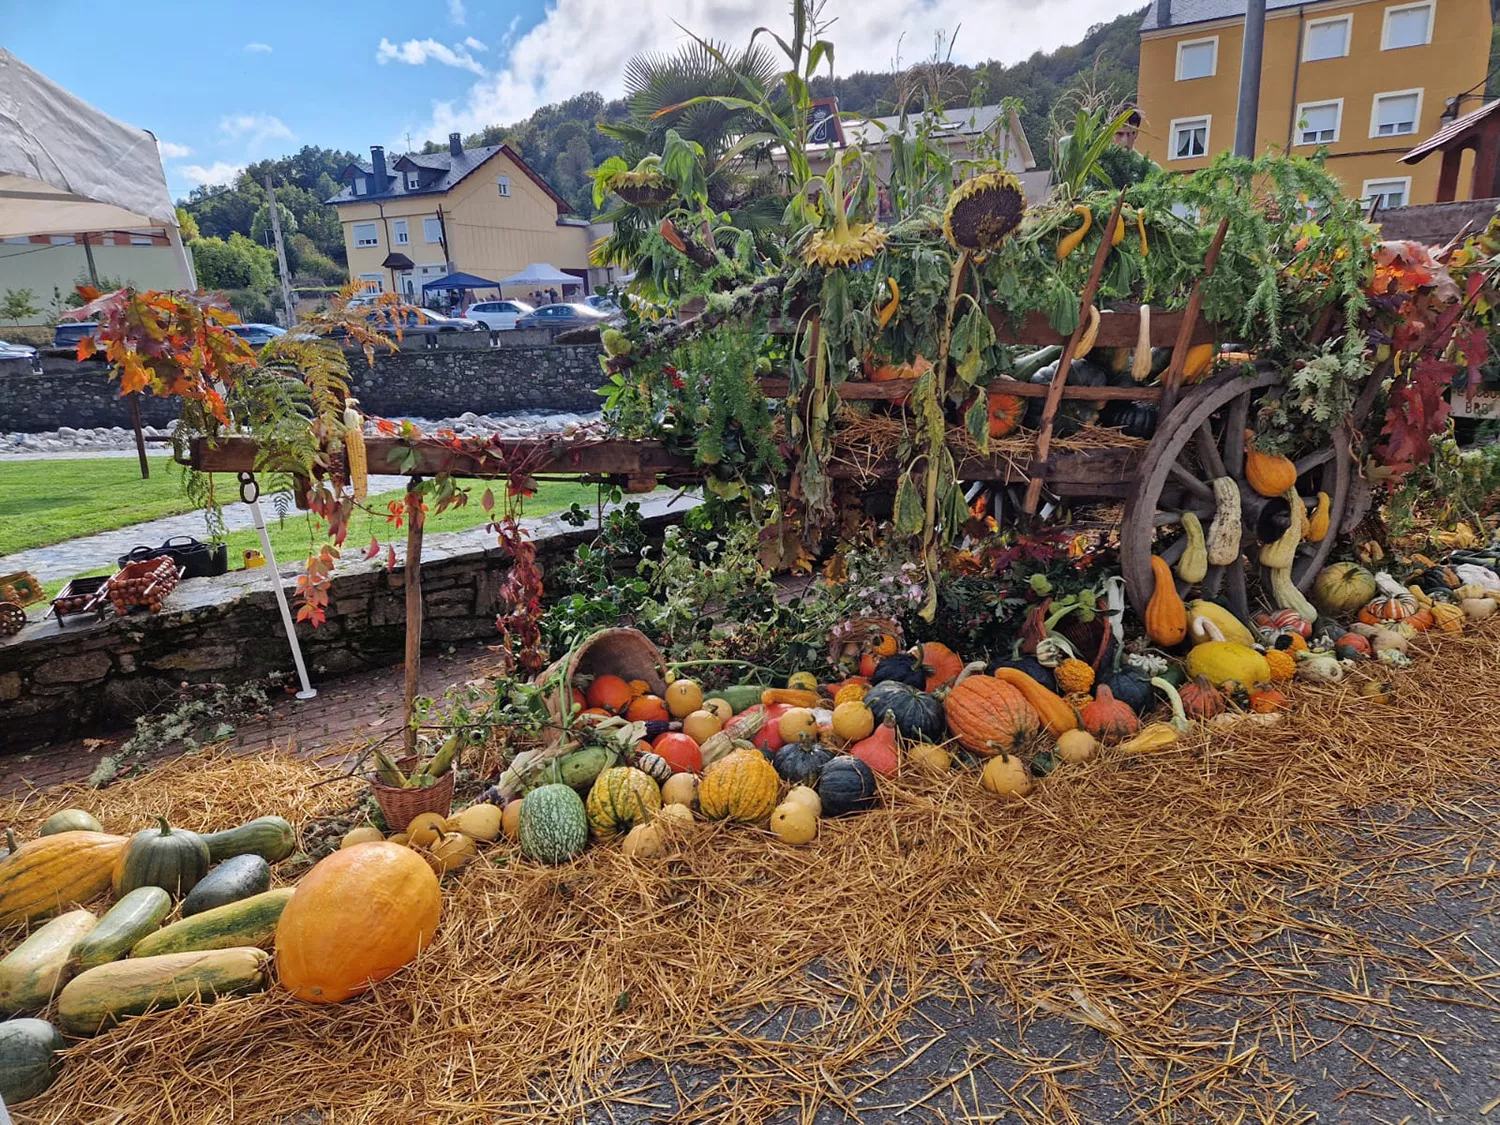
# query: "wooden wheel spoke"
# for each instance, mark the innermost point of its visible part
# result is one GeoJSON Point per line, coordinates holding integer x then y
{"type": "Point", "coordinates": [1166, 519]}
{"type": "Point", "coordinates": [1239, 601]}
{"type": "Point", "coordinates": [1174, 552]}
{"type": "Point", "coordinates": [1191, 483]}
{"type": "Point", "coordinates": [1208, 450]}
{"type": "Point", "coordinates": [1314, 459]}
{"type": "Point", "coordinates": [1234, 436]}
{"type": "Point", "coordinates": [1213, 580]}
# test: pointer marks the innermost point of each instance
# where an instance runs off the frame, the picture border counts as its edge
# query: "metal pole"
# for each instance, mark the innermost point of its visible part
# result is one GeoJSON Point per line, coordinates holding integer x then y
{"type": "Point", "coordinates": [308, 691]}
{"type": "Point", "coordinates": [286, 283]}
{"type": "Point", "coordinates": [1248, 107]}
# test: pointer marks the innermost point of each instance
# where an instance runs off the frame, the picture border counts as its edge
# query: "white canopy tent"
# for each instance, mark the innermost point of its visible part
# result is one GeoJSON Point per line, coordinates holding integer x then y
{"type": "Point", "coordinates": [66, 168]}
{"type": "Point", "coordinates": [540, 273]}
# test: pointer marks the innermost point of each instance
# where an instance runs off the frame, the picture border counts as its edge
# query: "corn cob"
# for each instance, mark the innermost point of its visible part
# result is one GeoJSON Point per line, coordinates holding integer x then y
{"type": "Point", "coordinates": [354, 451]}
{"type": "Point", "coordinates": [441, 762]}
{"type": "Point", "coordinates": [388, 772]}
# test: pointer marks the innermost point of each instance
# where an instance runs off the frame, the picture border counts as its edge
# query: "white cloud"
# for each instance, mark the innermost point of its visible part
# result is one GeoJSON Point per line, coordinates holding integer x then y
{"type": "Point", "coordinates": [553, 61]}
{"type": "Point", "coordinates": [456, 12]}
{"type": "Point", "coordinates": [510, 31]}
{"type": "Point", "coordinates": [173, 151]}
{"type": "Point", "coordinates": [258, 48]}
{"type": "Point", "coordinates": [474, 44]}
{"type": "Point", "coordinates": [255, 129]}
{"type": "Point", "coordinates": [219, 172]}
{"type": "Point", "coordinates": [416, 52]}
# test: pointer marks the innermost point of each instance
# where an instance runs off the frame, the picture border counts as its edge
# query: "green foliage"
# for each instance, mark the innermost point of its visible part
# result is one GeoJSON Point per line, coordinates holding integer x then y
{"type": "Point", "coordinates": [187, 225]}
{"type": "Point", "coordinates": [1454, 484]}
{"type": "Point", "coordinates": [18, 304]}
{"type": "Point", "coordinates": [260, 223]}
{"type": "Point", "coordinates": [304, 181]}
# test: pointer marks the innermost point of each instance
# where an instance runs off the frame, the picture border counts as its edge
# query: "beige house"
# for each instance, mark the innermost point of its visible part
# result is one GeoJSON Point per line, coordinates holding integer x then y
{"type": "Point", "coordinates": [479, 211]}
{"type": "Point", "coordinates": [52, 265]}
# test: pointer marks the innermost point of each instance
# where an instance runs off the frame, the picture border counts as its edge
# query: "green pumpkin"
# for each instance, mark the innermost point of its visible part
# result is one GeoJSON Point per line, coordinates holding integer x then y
{"type": "Point", "coordinates": [554, 826]}
{"type": "Point", "coordinates": [28, 1058]}
{"type": "Point", "coordinates": [919, 716]}
{"type": "Point", "coordinates": [173, 859]}
{"type": "Point", "coordinates": [70, 820]}
{"type": "Point", "coordinates": [620, 798]}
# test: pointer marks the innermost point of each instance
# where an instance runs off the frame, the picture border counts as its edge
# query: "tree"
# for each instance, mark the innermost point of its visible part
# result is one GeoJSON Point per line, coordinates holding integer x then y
{"type": "Point", "coordinates": [18, 305]}
{"type": "Point", "coordinates": [260, 224]}
{"type": "Point", "coordinates": [186, 224]}
{"type": "Point", "coordinates": [218, 266]}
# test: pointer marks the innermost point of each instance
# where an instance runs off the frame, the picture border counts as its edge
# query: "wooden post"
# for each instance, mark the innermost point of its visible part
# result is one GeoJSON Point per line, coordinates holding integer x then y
{"type": "Point", "coordinates": [413, 605]}
{"type": "Point", "coordinates": [140, 438]}
{"type": "Point", "coordinates": [1172, 378]}
{"type": "Point", "coordinates": [1059, 380]}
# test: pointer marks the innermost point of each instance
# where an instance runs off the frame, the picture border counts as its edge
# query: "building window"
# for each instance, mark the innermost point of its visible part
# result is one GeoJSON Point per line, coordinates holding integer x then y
{"type": "Point", "coordinates": [1396, 114]}
{"type": "Point", "coordinates": [366, 234]}
{"type": "Point", "coordinates": [504, 184]}
{"type": "Point", "coordinates": [140, 240]}
{"type": "Point", "coordinates": [63, 240]}
{"type": "Point", "coordinates": [372, 282]}
{"type": "Point", "coordinates": [398, 232]}
{"type": "Point", "coordinates": [1197, 58]}
{"type": "Point", "coordinates": [361, 185]}
{"type": "Point", "coordinates": [1409, 25]}
{"type": "Point", "coordinates": [19, 240]}
{"type": "Point", "coordinates": [413, 180]}
{"type": "Point", "coordinates": [1318, 122]}
{"type": "Point", "coordinates": [432, 229]}
{"type": "Point", "coordinates": [1189, 138]}
{"type": "Point", "coordinates": [1327, 39]}
{"type": "Point", "coordinates": [1387, 193]}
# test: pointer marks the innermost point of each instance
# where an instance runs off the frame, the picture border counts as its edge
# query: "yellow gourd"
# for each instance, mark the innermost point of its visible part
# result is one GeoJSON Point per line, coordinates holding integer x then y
{"type": "Point", "coordinates": [1270, 474]}
{"type": "Point", "coordinates": [1230, 627]}
{"type": "Point", "coordinates": [365, 834]}
{"type": "Point", "coordinates": [1195, 364]}
{"type": "Point", "coordinates": [1152, 737]}
{"type": "Point", "coordinates": [1193, 565]}
{"type": "Point", "coordinates": [1222, 661]}
{"type": "Point", "coordinates": [1446, 617]}
{"type": "Point", "coordinates": [1070, 242]}
{"type": "Point", "coordinates": [1140, 361]}
{"type": "Point", "coordinates": [1317, 523]}
{"type": "Point", "coordinates": [1090, 334]}
{"type": "Point", "coordinates": [1166, 617]}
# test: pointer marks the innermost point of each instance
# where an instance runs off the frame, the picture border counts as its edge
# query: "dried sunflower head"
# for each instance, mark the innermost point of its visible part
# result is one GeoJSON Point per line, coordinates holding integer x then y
{"type": "Point", "coordinates": [642, 187]}
{"type": "Point", "coordinates": [847, 244]}
{"type": "Point", "coordinates": [983, 212]}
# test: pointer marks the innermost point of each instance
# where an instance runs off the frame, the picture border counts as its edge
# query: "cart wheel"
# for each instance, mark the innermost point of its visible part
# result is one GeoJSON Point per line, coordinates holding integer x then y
{"type": "Point", "coordinates": [12, 619]}
{"type": "Point", "coordinates": [1204, 438]}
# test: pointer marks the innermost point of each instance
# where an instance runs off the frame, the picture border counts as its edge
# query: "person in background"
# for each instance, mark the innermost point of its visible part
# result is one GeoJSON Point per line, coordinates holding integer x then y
{"type": "Point", "coordinates": [552, 296]}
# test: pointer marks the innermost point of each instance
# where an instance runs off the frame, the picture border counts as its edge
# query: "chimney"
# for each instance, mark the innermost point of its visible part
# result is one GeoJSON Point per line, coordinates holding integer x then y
{"type": "Point", "coordinates": [455, 145]}
{"type": "Point", "coordinates": [377, 163]}
{"type": "Point", "coordinates": [1163, 13]}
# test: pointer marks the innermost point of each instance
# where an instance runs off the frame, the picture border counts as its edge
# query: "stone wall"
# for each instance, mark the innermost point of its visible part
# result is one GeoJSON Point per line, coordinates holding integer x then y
{"type": "Point", "coordinates": [417, 381]}
{"type": "Point", "coordinates": [92, 676]}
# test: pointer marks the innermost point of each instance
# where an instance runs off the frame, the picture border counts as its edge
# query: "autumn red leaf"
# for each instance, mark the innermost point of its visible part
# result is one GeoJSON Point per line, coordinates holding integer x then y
{"type": "Point", "coordinates": [373, 549]}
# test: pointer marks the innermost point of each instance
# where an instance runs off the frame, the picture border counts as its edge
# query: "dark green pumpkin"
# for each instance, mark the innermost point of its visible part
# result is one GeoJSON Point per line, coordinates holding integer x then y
{"type": "Point", "coordinates": [173, 859]}
{"type": "Point", "coordinates": [902, 668]}
{"type": "Point", "coordinates": [70, 820]}
{"type": "Point", "coordinates": [1135, 419]}
{"type": "Point", "coordinates": [1031, 666]}
{"type": "Point", "coordinates": [845, 786]}
{"type": "Point", "coordinates": [800, 763]}
{"type": "Point", "coordinates": [28, 1058]}
{"type": "Point", "coordinates": [236, 878]}
{"type": "Point", "coordinates": [1131, 689]}
{"type": "Point", "coordinates": [269, 837]}
{"type": "Point", "coordinates": [918, 716]}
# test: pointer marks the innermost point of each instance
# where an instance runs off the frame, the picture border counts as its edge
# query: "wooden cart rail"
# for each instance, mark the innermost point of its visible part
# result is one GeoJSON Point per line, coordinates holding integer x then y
{"type": "Point", "coordinates": [891, 390]}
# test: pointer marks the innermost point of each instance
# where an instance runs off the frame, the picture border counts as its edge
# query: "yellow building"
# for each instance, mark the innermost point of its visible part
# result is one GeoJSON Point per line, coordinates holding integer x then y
{"type": "Point", "coordinates": [479, 211]}
{"type": "Point", "coordinates": [1367, 79]}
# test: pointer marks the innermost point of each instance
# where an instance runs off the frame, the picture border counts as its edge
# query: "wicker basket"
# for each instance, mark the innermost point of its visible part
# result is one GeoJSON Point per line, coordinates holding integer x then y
{"type": "Point", "coordinates": [852, 638]}
{"type": "Point", "coordinates": [627, 653]}
{"type": "Point", "coordinates": [401, 806]}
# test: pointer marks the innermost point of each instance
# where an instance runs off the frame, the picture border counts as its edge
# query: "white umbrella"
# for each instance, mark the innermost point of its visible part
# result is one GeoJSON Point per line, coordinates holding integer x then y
{"type": "Point", "coordinates": [66, 168]}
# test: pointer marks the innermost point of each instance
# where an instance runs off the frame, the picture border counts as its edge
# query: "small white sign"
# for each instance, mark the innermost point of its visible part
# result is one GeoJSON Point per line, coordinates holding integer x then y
{"type": "Point", "coordinates": [1486, 404]}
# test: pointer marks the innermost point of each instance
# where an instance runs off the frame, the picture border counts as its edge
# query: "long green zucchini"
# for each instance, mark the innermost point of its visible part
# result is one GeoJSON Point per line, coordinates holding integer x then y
{"type": "Point", "coordinates": [251, 921]}
{"type": "Point", "coordinates": [270, 837]}
{"type": "Point", "coordinates": [104, 995]}
{"type": "Point", "coordinates": [1027, 365]}
{"type": "Point", "coordinates": [137, 914]}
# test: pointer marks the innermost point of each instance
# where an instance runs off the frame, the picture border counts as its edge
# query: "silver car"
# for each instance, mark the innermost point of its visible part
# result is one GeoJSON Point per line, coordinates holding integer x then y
{"type": "Point", "coordinates": [21, 351]}
{"type": "Point", "coordinates": [420, 322]}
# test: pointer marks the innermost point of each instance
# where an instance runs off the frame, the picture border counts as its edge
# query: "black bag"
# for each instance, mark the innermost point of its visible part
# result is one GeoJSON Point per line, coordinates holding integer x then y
{"type": "Point", "coordinates": [194, 558]}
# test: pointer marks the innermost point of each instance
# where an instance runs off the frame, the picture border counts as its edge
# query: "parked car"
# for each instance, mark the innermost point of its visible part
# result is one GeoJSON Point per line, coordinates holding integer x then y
{"type": "Point", "coordinates": [67, 334]}
{"type": "Point", "coordinates": [421, 322]}
{"type": "Point", "coordinates": [563, 316]}
{"type": "Point", "coordinates": [21, 351]}
{"type": "Point", "coordinates": [607, 305]}
{"type": "Point", "coordinates": [257, 335]}
{"type": "Point", "coordinates": [498, 316]}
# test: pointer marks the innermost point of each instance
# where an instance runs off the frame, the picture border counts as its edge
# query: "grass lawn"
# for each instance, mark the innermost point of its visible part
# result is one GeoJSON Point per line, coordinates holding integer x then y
{"type": "Point", "coordinates": [51, 501]}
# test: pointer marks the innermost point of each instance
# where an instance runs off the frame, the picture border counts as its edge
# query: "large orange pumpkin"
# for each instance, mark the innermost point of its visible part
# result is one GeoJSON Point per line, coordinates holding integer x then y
{"type": "Point", "coordinates": [989, 716]}
{"type": "Point", "coordinates": [357, 917]}
{"type": "Point", "coordinates": [944, 662]}
{"type": "Point", "coordinates": [609, 692]}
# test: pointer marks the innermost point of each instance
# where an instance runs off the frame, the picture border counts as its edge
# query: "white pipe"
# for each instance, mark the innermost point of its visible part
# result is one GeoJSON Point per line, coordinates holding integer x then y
{"type": "Point", "coordinates": [308, 691]}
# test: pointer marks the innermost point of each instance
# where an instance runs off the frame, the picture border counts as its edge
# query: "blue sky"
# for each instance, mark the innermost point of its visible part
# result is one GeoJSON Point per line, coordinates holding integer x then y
{"type": "Point", "coordinates": [278, 75]}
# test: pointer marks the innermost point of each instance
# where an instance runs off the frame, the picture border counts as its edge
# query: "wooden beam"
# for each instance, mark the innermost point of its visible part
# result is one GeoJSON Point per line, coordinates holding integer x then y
{"type": "Point", "coordinates": [414, 523]}
{"type": "Point", "coordinates": [1118, 329]}
{"type": "Point", "coordinates": [894, 389]}
{"type": "Point", "coordinates": [1172, 377]}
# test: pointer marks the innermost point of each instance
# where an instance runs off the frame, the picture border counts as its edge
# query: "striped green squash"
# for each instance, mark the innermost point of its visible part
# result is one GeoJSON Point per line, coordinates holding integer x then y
{"type": "Point", "coordinates": [554, 825]}
{"type": "Point", "coordinates": [250, 921]}
{"type": "Point", "coordinates": [621, 798]}
{"type": "Point", "coordinates": [137, 914]}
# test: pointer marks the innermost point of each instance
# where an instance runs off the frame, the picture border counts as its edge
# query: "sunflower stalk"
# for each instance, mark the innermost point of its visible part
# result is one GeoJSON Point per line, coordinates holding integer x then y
{"type": "Point", "coordinates": [934, 434]}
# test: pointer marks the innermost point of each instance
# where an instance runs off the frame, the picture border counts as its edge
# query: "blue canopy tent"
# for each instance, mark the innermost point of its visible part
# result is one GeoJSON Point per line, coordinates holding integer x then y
{"type": "Point", "coordinates": [457, 281]}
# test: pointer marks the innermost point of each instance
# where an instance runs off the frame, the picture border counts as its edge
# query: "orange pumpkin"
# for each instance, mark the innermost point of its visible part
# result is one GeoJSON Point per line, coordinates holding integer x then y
{"type": "Point", "coordinates": [989, 717]}
{"type": "Point", "coordinates": [609, 692]}
{"type": "Point", "coordinates": [646, 709]}
{"type": "Point", "coordinates": [879, 750]}
{"type": "Point", "coordinates": [1107, 719]}
{"type": "Point", "coordinates": [358, 916]}
{"type": "Point", "coordinates": [1201, 700]}
{"type": "Point", "coordinates": [1006, 412]}
{"type": "Point", "coordinates": [1166, 616]}
{"type": "Point", "coordinates": [944, 662]}
{"type": "Point", "coordinates": [1265, 701]}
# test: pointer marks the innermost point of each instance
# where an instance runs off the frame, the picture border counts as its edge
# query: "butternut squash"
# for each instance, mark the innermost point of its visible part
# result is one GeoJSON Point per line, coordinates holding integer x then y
{"type": "Point", "coordinates": [1166, 617]}
{"type": "Point", "coordinates": [1053, 710]}
{"type": "Point", "coordinates": [1193, 564]}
